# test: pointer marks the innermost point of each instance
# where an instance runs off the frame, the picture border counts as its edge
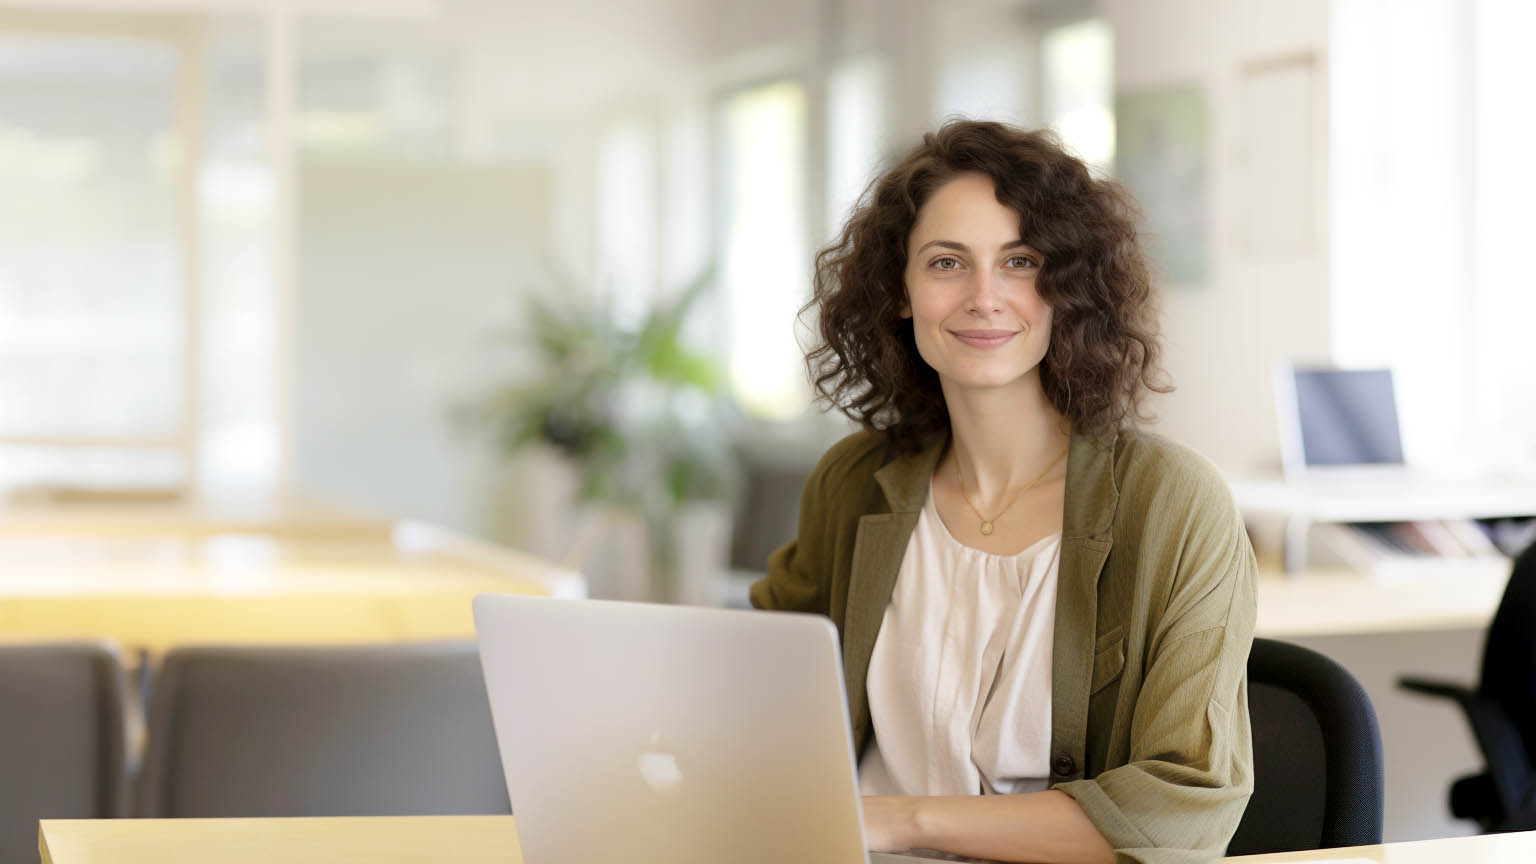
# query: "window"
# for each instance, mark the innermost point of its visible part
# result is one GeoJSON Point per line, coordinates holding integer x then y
{"type": "Point", "coordinates": [1397, 106]}
{"type": "Point", "coordinates": [764, 261]}
{"type": "Point", "coordinates": [94, 320]}
{"type": "Point", "coordinates": [627, 217]}
{"type": "Point", "coordinates": [1430, 155]}
{"type": "Point", "coordinates": [1077, 88]}
{"type": "Point", "coordinates": [855, 130]}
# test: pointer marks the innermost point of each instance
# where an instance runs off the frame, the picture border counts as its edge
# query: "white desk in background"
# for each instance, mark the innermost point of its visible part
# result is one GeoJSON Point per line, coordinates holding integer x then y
{"type": "Point", "coordinates": [1401, 498]}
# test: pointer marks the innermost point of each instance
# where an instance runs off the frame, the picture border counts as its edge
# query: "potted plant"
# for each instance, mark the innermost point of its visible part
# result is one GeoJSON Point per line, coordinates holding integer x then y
{"type": "Point", "coordinates": [638, 416]}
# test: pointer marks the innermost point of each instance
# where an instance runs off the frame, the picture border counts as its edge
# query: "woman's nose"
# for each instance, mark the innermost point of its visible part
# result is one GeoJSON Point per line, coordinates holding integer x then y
{"type": "Point", "coordinates": [985, 297]}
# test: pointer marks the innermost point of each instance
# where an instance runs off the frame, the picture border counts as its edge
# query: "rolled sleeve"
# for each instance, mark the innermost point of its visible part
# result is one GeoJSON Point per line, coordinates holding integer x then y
{"type": "Point", "coordinates": [1189, 775]}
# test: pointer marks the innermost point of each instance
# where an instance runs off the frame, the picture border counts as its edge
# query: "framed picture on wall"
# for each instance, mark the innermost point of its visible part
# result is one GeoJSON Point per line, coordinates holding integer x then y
{"type": "Point", "coordinates": [1162, 154]}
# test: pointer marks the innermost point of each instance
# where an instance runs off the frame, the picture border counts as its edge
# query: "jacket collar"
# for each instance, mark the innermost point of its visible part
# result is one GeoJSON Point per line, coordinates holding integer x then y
{"type": "Point", "coordinates": [904, 480]}
{"type": "Point", "coordinates": [1091, 497]}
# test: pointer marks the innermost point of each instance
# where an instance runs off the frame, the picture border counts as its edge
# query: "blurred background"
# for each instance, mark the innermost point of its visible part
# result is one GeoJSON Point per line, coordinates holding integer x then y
{"type": "Point", "coordinates": [262, 247]}
{"type": "Point", "coordinates": [523, 277]}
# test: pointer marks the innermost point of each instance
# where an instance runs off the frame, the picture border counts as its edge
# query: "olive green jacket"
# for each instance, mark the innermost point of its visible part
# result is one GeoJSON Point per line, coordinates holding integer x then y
{"type": "Point", "coordinates": [1154, 620]}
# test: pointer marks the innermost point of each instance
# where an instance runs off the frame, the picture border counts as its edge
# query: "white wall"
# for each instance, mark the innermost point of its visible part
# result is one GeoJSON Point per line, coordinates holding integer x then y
{"type": "Point", "coordinates": [407, 271]}
{"type": "Point", "coordinates": [1258, 302]}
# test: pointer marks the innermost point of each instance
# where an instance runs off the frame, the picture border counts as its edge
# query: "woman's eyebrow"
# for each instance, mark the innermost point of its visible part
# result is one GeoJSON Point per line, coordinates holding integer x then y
{"type": "Point", "coordinates": [947, 244]}
{"type": "Point", "coordinates": [961, 247]}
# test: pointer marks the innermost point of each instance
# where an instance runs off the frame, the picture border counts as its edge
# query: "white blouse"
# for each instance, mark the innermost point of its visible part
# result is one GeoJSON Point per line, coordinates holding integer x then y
{"type": "Point", "coordinates": [960, 679]}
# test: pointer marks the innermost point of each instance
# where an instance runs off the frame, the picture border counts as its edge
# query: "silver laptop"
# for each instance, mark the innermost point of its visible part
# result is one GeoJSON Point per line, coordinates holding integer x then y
{"type": "Point", "coordinates": [642, 733]}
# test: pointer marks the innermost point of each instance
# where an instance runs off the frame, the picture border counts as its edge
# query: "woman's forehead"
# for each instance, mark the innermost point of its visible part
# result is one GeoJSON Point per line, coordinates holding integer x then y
{"type": "Point", "coordinates": [966, 210]}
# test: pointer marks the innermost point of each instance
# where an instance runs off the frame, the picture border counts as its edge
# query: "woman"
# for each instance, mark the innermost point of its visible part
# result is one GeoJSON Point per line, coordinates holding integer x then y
{"type": "Point", "coordinates": [1033, 597]}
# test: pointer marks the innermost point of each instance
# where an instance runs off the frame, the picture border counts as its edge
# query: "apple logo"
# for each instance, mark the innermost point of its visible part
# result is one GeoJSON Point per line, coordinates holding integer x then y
{"type": "Point", "coordinates": [658, 768]}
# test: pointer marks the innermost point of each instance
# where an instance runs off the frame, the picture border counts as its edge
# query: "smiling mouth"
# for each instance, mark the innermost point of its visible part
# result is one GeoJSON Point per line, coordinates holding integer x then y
{"type": "Point", "coordinates": [984, 338]}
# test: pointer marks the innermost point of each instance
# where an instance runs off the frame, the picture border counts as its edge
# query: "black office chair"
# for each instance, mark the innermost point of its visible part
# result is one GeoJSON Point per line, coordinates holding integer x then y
{"type": "Point", "coordinates": [1317, 761]}
{"type": "Point", "coordinates": [1501, 711]}
{"type": "Point", "coordinates": [378, 730]}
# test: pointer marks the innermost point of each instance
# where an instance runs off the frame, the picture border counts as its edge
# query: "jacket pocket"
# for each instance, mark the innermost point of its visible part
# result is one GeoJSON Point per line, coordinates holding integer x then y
{"type": "Point", "coordinates": [1108, 659]}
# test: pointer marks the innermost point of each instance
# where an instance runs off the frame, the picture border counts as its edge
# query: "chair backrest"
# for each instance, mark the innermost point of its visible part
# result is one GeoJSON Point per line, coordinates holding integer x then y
{"type": "Point", "coordinates": [1316, 752]}
{"type": "Point", "coordinates": [767, 514]}
{"type": "Point", "coordinates": [1509, 653]}
{"type": "Point", "coordinates": [334, 731]}
{"type": "Point", "coordinates": [62, 739]}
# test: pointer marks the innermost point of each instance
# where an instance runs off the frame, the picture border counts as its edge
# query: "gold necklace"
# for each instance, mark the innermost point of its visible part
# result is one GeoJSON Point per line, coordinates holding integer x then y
{"type": "Point", "coordinates": [987, 525]}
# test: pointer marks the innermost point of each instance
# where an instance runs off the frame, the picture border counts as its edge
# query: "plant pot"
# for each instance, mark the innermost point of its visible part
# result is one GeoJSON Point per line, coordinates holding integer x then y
{"type": "Point", "coordinates": [701, 550]}
{"type": "Point", "coordinates": [541, 501]}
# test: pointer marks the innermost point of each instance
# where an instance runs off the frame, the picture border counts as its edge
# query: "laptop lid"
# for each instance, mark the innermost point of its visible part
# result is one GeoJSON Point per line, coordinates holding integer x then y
{"type": "Point", "coordinates": [1337, 422]}
{"type": "Point", "coordinates": [633, 732]}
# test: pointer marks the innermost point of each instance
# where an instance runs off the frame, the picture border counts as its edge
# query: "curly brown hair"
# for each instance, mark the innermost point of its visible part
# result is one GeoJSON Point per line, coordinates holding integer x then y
{"type": "Point", "coordinates": [1104, 343]}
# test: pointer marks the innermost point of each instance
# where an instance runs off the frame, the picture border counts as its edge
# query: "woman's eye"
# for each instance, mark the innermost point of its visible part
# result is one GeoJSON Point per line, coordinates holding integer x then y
{"type": "Point", "coordinates": [946, 263]}
{"type": "Point", "coordinates": [1022, 262]}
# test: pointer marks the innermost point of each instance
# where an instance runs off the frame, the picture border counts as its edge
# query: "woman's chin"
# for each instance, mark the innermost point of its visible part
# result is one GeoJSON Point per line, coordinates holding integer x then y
{"type": "Point", "coordinates": [985, 380]}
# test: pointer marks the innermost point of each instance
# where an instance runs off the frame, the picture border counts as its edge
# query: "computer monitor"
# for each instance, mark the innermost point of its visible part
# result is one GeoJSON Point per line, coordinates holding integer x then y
{"type": "Point", "coordinates": [1334, 420]}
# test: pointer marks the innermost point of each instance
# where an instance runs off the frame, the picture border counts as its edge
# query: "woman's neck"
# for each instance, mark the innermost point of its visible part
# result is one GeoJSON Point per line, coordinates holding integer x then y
{"type": "Point", "coordinates": [1004, 437]}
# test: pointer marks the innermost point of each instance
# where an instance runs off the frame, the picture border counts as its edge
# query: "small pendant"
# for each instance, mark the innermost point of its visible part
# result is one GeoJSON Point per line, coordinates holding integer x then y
{"type": "Point", "coordinates": [986, 528]}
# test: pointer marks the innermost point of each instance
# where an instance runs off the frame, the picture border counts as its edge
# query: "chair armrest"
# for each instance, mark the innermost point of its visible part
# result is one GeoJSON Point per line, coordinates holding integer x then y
{"type": "Point", "coordinates": [1496, 734]}
{"type": "Point", "coordinates": [1430, 687]}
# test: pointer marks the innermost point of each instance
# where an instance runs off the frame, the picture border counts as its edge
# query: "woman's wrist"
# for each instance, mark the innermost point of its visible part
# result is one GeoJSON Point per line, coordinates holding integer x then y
{"type": "Point", "coordinates": [917, 815]}
{"type": "Point", "coordinates": [894, 823]}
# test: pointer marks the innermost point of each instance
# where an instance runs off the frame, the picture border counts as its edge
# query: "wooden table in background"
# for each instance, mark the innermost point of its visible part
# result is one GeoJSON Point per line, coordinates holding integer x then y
{"type": "Point", "coordinates": [1335, 601]}
{"type": "Point", "coordinates": [493, 840]}
{"type": "Point", "coordinates": [150, 578]}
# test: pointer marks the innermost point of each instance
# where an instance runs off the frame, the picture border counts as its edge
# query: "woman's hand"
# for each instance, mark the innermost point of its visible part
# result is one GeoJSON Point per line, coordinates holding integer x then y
{"type": "Point", "coordinates": [889, 823]}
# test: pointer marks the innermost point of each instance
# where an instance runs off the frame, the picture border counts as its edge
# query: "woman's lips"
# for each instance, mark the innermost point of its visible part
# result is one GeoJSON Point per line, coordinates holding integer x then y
{"type": "Point", "coordinates": [984, 338]}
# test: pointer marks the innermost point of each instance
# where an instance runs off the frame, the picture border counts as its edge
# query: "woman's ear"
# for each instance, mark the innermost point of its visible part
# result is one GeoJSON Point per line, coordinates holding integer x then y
{"type": "Point", "coordinates": [906, 309]}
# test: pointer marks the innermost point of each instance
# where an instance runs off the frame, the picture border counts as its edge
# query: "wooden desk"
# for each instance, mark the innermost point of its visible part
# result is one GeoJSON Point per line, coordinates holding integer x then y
{"type": "Point", "coordinates": [150, 582]}
{"type": "Point", "coordinates": [415, 839]}
{"type": "Point", "coordinates": [1342, 602]}
{"type": "Point", "coordinates": [1484, 849]}
{"type": "Point", "coordinates": [493, 840]}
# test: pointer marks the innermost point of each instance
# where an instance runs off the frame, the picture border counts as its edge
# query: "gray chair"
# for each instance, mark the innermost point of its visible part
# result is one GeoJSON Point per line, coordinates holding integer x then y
{"type": "Point", "coordinates": [62, 739]}
{"type": "Point", "coordinates": [335, 731]}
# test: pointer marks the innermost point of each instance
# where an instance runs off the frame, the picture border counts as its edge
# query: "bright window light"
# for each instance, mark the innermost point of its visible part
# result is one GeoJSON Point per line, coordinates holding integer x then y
{"type": "Point", "coordinates": [92, 317]}
{"type": "Point", "coordinates": [855, 130]}
{"type": "Point", "coordinates": [1504, 183]}
{"type": "Point", "coordinates": [1077, 88]}
{"type": "Point", "coordinates": [1399, 179]}
{"type": "Point", "coordinates": [627, 213]}
{"type": "Point", "coordinates": [765, 261]}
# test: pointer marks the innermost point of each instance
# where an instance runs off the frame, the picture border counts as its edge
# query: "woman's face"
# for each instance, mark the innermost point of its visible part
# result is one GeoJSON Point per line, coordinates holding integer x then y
{"type": "Point", "coordinates": [971, 295]}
